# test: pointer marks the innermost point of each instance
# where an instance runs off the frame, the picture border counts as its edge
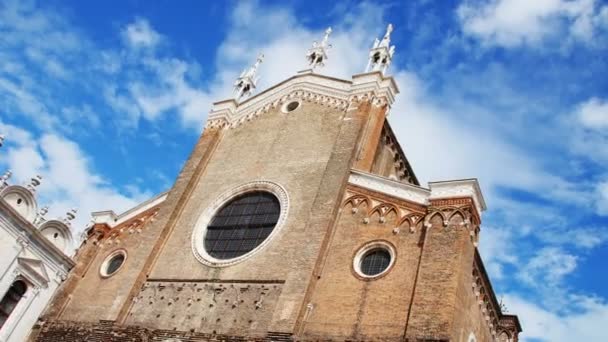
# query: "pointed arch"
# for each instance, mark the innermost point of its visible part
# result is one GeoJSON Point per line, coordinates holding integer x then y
{"type": "Point", "coordinates": [412, 218]}
{"type": "Point", "coordinates": [356, 201]}
{"type": "Point", "coordinates": [432, 215]}
{"type": "Point", "coordinates": [384, 210]}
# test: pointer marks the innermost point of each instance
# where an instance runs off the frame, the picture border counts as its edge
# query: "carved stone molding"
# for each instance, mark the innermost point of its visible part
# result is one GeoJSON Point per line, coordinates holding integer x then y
{"type": "Point", "coordinates": [485, 299]}
{"type": "Point", "coordinates": [379, 205]}
{"type": "Point", "coordinates": [241, 117]}
{"type": "Point", "coordinates": [308, 87]}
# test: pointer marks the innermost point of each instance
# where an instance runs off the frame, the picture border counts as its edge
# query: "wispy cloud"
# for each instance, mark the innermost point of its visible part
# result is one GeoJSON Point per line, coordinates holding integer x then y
{"type": "Point", "coordinates": [140, 34]}
{"type": "Point", "coordinates": [512, 23]}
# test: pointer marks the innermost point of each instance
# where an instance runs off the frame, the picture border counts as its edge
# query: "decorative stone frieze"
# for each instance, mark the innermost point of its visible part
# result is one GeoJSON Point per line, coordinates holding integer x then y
{"type": "Point", "coordinates": [308, 87]}
{"type": "Point", "coordinates": [369, 205]}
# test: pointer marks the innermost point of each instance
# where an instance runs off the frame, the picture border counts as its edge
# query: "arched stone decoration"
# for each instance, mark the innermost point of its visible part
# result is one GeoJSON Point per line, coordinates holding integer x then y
{"type": "Point", "coordinates": [22, 200]}
{"type": "Point", "coordinates": [59, 234]}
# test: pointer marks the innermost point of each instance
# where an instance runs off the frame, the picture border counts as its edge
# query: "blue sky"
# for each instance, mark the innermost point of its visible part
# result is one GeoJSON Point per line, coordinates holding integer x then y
{"type": "Point", "coordinates": [105, 100]}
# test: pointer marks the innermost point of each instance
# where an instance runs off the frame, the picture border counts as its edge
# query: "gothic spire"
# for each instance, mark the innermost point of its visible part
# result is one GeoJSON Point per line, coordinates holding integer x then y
{"type": "Point", "coordinates": [317, 55]}
{"type": "Point", "coordinates": [381, 54]}
{"type": "Point", "coordinates": [246, 83]}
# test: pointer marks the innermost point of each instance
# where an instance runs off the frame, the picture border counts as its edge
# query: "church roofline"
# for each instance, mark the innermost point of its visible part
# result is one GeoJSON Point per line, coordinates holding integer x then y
{"type": "Point", "coordinates": [110, 218]}
{"type": "Point", "coordinates": [309, 86]}
{"type": "Point", "coordinates": [495, 303]}
{"type": "Point", "coordinates": [397, 144]}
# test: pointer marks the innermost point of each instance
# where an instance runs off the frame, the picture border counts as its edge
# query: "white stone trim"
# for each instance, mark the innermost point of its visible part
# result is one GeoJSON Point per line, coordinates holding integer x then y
{"type": "Point", "coordinates": [379, 244]}
{"type": "Point", "coordinates": [438, 190]}
{"type": "Point", "coordinates": [112, 220]}
{"type": "Point", "coordinates": [65, 232]}
{"type": "Point", "coordinates": [200, 228]}
{"type": "Point", "coordinates": [459, 188]}
{"type": "Point", "coordinates": [27, 196]}
{"type": "Point", "coordinates": [307, 86]}
{"type": "Point", "coordinates": [390, 187]}
{"type": "Point", "coordinates": [104, 265]}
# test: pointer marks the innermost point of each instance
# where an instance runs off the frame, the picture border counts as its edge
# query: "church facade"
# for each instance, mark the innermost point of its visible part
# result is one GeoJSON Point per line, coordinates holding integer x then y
{"type": "Point", "coordinates": [297, 216]}
{"type": "Point", "coordinates": [34, 257]}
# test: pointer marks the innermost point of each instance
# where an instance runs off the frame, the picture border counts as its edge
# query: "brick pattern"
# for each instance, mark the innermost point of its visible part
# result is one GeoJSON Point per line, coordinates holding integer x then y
{"type": "Point", "coordinates": [221, 307]}
{"type": "Point", "coordinates": [302, 285]}
{"type": "Point", "coordinates": [106, 331]}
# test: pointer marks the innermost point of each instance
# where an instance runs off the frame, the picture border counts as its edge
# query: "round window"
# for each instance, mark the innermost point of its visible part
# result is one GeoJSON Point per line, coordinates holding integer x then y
{"type": "Point", "coordinates": [113, 263]}
{"type": "Point", "coordinates": [242, 224]}
{"type": "Point", "coordinates": [374, 259]}
{"type": "Point", "coordinates": [375, 262]}
{"type": "Point", "coordinates": [291, 106]}
{"type": "Point", "coordinates": [239, 223]}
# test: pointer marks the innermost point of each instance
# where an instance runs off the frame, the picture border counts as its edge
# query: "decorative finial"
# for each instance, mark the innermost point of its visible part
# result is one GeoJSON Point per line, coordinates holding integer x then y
{"type": "Point", "coordinates": [246, 83]}
{"type": "Point", "coordinates": [381, 53]}
{"type": "Point", "coordinates": [40, 216]}
{"type": "Point", "coordinates": [70, 215]}
{"type": "Point", "coordinates": [34, 182]}
{"type": "Point", "coordinates": [4, 179]}
{"type": "Point", "coordinates": [317, 55]}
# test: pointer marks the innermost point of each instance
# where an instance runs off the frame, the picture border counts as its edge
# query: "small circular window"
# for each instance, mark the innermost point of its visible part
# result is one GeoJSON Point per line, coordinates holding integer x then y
{"type": "Point", "coordinates": [374, 259]}
{"type": "Point", "coordinates": [291, 106]}
{"type": "Point", "coordinates": [113, 263]}
{"type": "Point", "coordinates": [375, 262]}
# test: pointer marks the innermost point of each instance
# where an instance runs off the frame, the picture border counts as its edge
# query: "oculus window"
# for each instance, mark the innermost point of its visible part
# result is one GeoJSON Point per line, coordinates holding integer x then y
{"type": "Point", "coordinates": [113, 263]}
{"type": "Point", "coordinates": [375, 262]}
{"type": "Point", "coordinates": [242, 224]}
{"type": "Point", "coordinates": [374, 259]}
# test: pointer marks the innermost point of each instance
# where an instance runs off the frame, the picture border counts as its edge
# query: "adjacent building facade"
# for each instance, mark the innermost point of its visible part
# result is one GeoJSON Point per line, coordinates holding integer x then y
{"type": "Point", "coordinates": [297, 216]}
{"type": "Point", "coordinates": [34, 258]}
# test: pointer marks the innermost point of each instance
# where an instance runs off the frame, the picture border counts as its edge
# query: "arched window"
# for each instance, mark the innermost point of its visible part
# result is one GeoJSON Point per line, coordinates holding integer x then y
{"type": "Point", "coordinates": [11, 299]}
{"type": "Point", "coordinates": [472, 338]}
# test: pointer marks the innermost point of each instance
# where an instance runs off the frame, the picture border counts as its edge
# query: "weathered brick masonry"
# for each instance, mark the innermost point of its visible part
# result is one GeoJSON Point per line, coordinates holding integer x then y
{"type": "Point", "coordinates": [348, 184]}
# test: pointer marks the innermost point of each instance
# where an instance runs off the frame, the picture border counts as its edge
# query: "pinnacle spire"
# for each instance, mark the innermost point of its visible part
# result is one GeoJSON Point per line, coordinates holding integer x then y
{"type": "Point", "coordinates": [317, 55]}
{"type": "Point", "coordinates": [246, 83]}
{"type": "Point", "coordinates": [381, 54]}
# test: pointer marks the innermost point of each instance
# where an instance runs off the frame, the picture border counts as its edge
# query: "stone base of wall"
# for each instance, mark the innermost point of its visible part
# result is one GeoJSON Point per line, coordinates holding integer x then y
{"type": "Point", "coordinates": [106, 331]}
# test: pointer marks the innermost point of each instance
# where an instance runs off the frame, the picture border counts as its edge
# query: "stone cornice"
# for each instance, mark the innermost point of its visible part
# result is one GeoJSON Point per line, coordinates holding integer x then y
{"type": "Point", "coordinates": [306, 86]}
{"type": "Point", "coordinates": [459, 188]}
{"type": "Point", "coordinates": [468, 188]}
{"type": "Point", "coordinates": [405, 191]}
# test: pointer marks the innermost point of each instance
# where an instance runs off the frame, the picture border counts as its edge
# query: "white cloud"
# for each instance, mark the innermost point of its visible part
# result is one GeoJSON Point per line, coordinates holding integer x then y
{"type": "Point", "coordinates": [548, 267]}
{"type": "Point", "coordinates": [497, 248]}
{"type": "Point", "coordinates": [602, 201]}
{"type": "Point", "coordinates": [68, 178]}
{"type": "Point", "coordinates": [593, 114]}
{"type": "Point", "coordinates": [141, 34]}
{"type": "Point", "coordinates": [252, 30]}
{"type": "Point", "coordinates": [587, 323]}
{"type": "Point", "coordinates": [587, 128]}
{"type": "Point", "coordinates": [516, 22]}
